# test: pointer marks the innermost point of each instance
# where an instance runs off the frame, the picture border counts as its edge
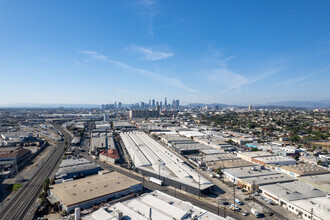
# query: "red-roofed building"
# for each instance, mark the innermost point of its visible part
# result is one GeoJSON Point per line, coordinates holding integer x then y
{"type": "Point", "coordinates": [109, 155]}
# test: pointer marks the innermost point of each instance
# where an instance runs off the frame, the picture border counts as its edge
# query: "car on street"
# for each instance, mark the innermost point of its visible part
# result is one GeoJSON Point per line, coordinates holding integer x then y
{"type": "Point", "coordinates": [245, 213]}
{"type": "Point", "coordinates": [234, 207]}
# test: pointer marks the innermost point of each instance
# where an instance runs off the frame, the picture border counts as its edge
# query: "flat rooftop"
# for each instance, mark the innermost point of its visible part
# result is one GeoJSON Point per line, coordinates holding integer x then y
{"type": "Point", "coordinates": [89, 188]}
{"type": "Point", "coordinates": [269, 179]}
{"type": "Point", "coordinates": [303, 169]}
{"type": "Point", "coordinates": [320, 206]}
{"type": "Point", "coordinates": [319, 181]}
{"type": "Point", "coordinates": [162, 206]}
{"type": "Point", "coordinates": [230, 163]}
{"type": "Point", "coordinates": [216, 157]}
{"type": "Point", "coordinates": [73, 162]}
{"type": "Point", "coordinates": [294, 190]}
{"type": "Point", "coordinates": [146, 153]}
{"type": "Point", "coordinates": [253, 154]}
{"type": "Point", "coordinates": [245, 172]}
{"type": "Point", "coordinates": [275, 159]}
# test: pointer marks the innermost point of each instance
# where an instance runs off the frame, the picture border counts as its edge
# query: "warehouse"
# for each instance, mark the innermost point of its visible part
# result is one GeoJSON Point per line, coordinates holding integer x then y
{"type": "Point", "coordinates": [186, 149]}
{"type": "Point", "coordinates": [175, 139]}
{"type": "Point", "coordinates": [249, 155]}
{"type": "Point", "coordinates": [154, 205]}
{"type": "Point", "coordinates": [85, 192]}
{"type": "Point", "coordinates": [75, 168]}
{"type": "Point", "coordinates": [123, 125]}
{"type": "Point", "coordinates": [298, 198]}
{"type": "Point", "coordinates": [153, 159]}
{"type": "Point", "coordinates": [302, 169]}
{"type": "Point", "coordinates": [231, 163]}
{"type": "Point", "coordinates": [233, 174]}
{"type": "Point", "coordinates": [110, 156]}
{"type": "Point", "coordinates": [319, 181]}
{"type": "Point", "coordinates": [274, 160]}
{"type": "Point", "coordinates": [251, 184]}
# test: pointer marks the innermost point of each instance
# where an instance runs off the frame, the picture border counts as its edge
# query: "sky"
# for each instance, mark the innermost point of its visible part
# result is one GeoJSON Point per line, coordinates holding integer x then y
{"type": "Point", "coordinates": [232, 52]}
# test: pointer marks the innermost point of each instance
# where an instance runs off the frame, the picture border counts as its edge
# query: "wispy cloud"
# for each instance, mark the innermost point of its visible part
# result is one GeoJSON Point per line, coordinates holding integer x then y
{"type": "Point", "coordinates": [149, 54]}
{"type": "Point", "coordinates": [130, 92]}
{"type": "Point", "coordinates": [300, 78]}
{"type": "Point", "coordinates": [149, 9]}
{"type": "Point", "coordinates": [155, 76]}
{"type": "Point", "coordinates": [293, 81]}
{"type": "Point", "coordinates": [3, 62]}
{"type": "Point", "coordinates": [231, 80]}
{"type": "Point", "coordinates": [228, 78]}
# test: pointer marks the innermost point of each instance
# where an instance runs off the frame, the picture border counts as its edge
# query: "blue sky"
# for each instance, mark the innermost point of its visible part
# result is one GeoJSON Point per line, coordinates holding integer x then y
{"type": "Point", "coordinates": [234, 52]}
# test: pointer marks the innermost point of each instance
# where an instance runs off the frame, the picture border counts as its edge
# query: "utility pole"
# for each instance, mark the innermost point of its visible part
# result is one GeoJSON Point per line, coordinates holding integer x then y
{"type": "Point", "coordinates": [224, 211]}
{"type": "Point", "coordinates": [143, 182]}
{"type": "Point", "coordinates": [175, 190]}
{"type": "Point", "coordinates": [159, 171]}
{"type": "Point", "coordinates": [199, 186]}
{"type": "Point", "coordinates": [218, 209]}
{"type": "Point", "coordinates": [234, 194]}
{"type": "Point", "coordinates": [312, 214]}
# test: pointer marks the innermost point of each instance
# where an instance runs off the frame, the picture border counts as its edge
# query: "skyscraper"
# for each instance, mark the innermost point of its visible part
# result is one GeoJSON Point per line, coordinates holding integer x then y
{"type": "Point", "coordinates": [153, 103]}
{"type": "Point", "coordinates": [165, 102]}
{"type": "Point", "coordinates": [177, 104]}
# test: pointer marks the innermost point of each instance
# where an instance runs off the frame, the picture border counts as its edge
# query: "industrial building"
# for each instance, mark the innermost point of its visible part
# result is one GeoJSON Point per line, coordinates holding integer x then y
{"type": "Point", "coordinates": [101, 140]}
{"type": "Point", "coordinates": [299, 198]}
{"type": "Point", "coordinates": [123, 125]}
{"type": "Point", "coordinates": [85, 192]}
{"type": "Point", "coordinates": [302, 169]}
{"type": "Point", "coordinates": [175, 139]}
{"type": "Point", "coordinates": [231, 163]}
{"type": "Point", "coordinates": [249, 155]}
{"type": "Point", "coordinates": [321, 182]}
{"type": "Point", "coordinates": [154, 205]}
{"type": "Point", "coordinates": [11, 158]}
{"type": "Point", "coordinates": [110, 156]}
{"type": "Point", "coordinates": [274, 161]}
{"type": "Point", "coordinates": [153, 159]}
{"type": "Point", "coordinates": [252, 184]}
{"type": "Point", "coordinates": [143, 113]}
{"type": "Point", "coordinates": [76, 167]}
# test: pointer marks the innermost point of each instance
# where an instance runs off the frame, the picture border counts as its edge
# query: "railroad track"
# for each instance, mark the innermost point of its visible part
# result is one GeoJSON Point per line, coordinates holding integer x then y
{"type": "Point", "coordinates": [22, 202]}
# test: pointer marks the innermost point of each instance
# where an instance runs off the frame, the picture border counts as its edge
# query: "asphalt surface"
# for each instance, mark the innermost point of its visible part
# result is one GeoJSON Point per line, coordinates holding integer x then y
{"type": "Point", "coordinates": [20, 204]}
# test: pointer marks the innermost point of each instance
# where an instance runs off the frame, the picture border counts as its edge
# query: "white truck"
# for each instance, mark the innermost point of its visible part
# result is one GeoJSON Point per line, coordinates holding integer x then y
{"type": "Point", "coordinates": [155, 180]}
{"type": "Point", "coordinates": [255, 213]}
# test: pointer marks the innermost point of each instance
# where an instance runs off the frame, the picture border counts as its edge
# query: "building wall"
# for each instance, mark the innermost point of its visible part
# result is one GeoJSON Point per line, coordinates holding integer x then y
{"type": "Point", "coordinates": [176, 184]}
{"type": "Point", "coordinates": [107, 159]}
{"type": "Point", "coordinates": [133, 189]}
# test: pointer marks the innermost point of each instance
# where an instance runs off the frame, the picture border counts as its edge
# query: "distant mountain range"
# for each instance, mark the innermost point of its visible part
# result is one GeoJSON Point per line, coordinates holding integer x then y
{"type": "Point", "coordinates": [49, 105]}
{"type": "Point", "coordinates": [302, 104]}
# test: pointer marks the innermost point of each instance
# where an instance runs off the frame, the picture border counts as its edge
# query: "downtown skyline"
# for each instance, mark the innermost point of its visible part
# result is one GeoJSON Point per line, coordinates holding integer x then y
{"type": "Point", "coordinates": [87, 52]}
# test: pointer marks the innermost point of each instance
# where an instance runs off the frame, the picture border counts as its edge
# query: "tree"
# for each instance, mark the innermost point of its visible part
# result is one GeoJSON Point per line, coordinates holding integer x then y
{"type": "Point", "coordinates": [319, 162]}
{"type": "Point", "coordinates": [45, 185]}
{"type": "Point", "coordinates": [296, 157]}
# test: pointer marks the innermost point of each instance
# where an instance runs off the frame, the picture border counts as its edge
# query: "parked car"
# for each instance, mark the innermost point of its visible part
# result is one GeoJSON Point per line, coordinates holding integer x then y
{"type": "Point", "coordinates": [225, 203]}
{"type": "Point", "coordinates": [245, 213]}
